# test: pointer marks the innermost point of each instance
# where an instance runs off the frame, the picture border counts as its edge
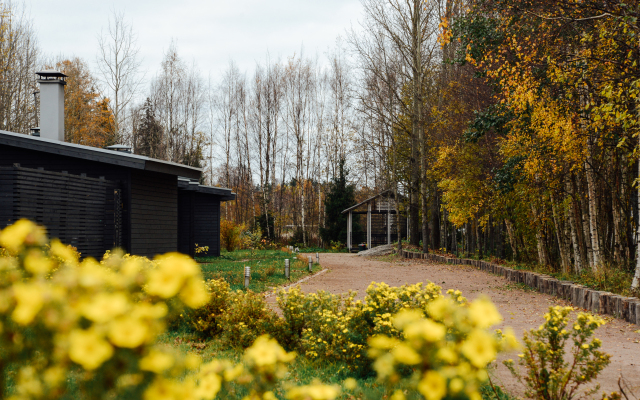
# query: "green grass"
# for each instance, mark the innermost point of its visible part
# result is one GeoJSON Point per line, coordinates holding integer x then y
{"type": "Point", "coordinates": [303, 371]}
{"type": "Point", "coordinates": [267, 268]}
{"type": "Point", "coordinates": [320, 250]}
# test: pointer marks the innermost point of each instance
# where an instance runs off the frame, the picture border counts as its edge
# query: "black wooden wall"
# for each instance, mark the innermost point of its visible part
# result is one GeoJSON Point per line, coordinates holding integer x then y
{"type": "Point", "coordinates": [10, 156]}
{"type": "Point", "coordinates": [199, 222]}
{"type": "Point", "coordinates": [154, 213]}
{"type": "Point", "coordinates": [78, 210]}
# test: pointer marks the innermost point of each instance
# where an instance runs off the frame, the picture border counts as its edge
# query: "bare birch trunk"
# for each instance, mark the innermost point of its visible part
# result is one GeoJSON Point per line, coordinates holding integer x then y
{"type": "Point", "coordinates": [593, 213]}
{"type": "Point", "coordinates": [575, 238]}
{"type": "Point", "coordinates": [512, 238]}
{"type": "Point", "coordinates": [635, 284]}
{"type": "Point", "coordinates": [565, 257]}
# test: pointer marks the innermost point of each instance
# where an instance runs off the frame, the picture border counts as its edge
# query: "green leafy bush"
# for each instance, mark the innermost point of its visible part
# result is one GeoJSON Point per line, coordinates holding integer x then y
{"type": "Point", "coordinates": [549, 374]}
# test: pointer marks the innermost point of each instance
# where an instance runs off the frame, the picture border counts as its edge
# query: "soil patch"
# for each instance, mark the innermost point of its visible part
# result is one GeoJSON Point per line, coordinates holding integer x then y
{"type": "Point", "coordinates": [521, 309]}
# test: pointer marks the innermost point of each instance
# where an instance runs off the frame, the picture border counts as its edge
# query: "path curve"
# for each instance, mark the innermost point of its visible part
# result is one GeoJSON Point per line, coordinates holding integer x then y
{"type": "Point", "coordinates": [522, 310]}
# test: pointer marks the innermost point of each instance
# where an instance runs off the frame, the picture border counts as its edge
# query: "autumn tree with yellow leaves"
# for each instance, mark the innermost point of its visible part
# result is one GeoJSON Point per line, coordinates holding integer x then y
{"type": "Point", "coordinates": [88, 116]}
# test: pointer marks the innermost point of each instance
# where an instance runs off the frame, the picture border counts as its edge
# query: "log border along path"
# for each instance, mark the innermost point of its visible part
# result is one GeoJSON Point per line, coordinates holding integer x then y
{"type": "Point", "coordinates": [522, 308]}
{"type": "Point", "coordinates": [596, 301]}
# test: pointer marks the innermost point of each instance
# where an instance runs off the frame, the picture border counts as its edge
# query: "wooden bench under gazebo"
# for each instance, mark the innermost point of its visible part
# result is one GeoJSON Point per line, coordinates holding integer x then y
{"type": "Point", "coordinates": [381, 222]}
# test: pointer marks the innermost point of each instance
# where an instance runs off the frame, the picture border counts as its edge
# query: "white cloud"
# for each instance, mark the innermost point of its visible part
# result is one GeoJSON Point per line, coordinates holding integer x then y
{"type": "Point", "coordinates": [209, 32]}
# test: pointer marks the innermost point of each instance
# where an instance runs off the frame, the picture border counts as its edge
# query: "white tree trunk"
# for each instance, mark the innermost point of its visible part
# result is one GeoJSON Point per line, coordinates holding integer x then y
{"type": "Point", "coordinates": [635, 284]}
{"type": "Point", "coordinates": [593, 215]}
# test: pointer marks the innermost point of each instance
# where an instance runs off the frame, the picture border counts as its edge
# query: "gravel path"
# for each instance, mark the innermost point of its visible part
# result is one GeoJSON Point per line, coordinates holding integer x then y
{"type": "Point", "coordinates": [522, 310]}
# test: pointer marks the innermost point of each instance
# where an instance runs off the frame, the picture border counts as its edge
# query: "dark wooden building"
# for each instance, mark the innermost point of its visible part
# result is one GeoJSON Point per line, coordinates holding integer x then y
{"type": "Point", "coordinates": [97, 199]}
{"type": "Point", "coordinates": [199, 216]}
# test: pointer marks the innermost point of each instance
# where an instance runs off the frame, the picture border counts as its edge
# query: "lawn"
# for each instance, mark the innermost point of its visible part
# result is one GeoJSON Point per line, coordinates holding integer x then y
{"type": "Point", "coordinates": [267, 268]}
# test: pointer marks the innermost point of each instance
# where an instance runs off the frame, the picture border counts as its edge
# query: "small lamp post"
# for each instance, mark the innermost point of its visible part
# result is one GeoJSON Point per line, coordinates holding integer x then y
{"type": "Point", "coordinates": [287, 270]}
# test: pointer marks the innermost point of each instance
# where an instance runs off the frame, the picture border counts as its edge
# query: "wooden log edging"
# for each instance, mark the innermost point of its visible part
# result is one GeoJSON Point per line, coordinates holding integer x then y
{"type": "Point", "coordinates": [596, 301]}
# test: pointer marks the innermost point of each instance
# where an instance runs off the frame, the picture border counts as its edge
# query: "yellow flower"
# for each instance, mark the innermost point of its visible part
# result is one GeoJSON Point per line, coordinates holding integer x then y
{"type": "Point", "coordinates": [266, 351]}
{"type": "Point", "coordinates": [479, 348]}
{"type": "Point", "coordinates": [433, 386]}
{"type": "Point", "coordinates": [405, 354]}
{"type": "Point", "coordinates": [128, 332]}
{"type": "Point", "coordinates": [88, 349]}
{"type": "Point", "coordinates": [156, 361]}
{"type": "Point", "coordinates": [406, 317]}
{"type": "Point", "coordinates": [509, 340]}
{"type": "Point", "coordinates": [314, 391]}
{"type": "Point", "coordinates": [36, 263]}
{"type": "Point", "coordinates": [194, 294]}
{"type": "Point", "coordinates": [427, 329]}
{"type": "Point", "coordinates": [22, 232]}
{"type": "Point", "coordinates": [456, 385]}
{"type": "Point", "coordinates": [384, 366]}
{"type": "Point", "coordinates": [447, 354]}
{"type": "Point", "coordinates": [105, 306]}
{"type": "Point", "coordinates": [172, 271]}
{"type": "Point", "coordinates": [149, 311]}
{"type": "Point", "coordinates": [209, 386]}
{"type": "Point", "coordinates": [350, 384]}
{"type": "Point", "coordinates": [382, 342]}
{"type": "Point", "coordinates": [64, 252]}
{"type": "Point", "coordinates": [192, 361]}
{"type": "Point", "coordinates": [439, 308]}
{"type": "Point", "coordinates": [30, 302]}
{"type": "Point", "coordinates": [483, 313]}
{"type": "Point", "coordinates": [162, 389]}
{"type": "Point", "coordinates": [397, 395]}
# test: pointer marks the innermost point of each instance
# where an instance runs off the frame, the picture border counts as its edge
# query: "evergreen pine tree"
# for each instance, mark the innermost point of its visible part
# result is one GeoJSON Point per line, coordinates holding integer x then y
{"type": "Point", "coordinates": [149, 133]}
{"type": "Point", "coordinates": [340, 197]}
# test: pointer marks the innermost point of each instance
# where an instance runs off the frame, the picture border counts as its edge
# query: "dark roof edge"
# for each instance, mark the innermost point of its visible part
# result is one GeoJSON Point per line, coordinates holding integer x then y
{"type": "Point", "coordinates": [96, 154]}
{"type": "Point", "coordinates": [224, 194]}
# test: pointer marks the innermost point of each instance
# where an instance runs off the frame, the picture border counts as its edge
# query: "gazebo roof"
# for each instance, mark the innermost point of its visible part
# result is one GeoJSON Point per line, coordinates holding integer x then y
{"type": "Point", "coordinates": [381, 194]}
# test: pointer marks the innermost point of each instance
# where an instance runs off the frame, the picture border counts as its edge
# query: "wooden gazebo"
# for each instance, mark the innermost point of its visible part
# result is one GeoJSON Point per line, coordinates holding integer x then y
{"type": "Point", "coordinates": [381, 223]}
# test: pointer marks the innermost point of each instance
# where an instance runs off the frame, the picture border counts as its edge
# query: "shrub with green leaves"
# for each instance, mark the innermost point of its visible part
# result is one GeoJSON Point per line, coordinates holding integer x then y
{"type": "Point", "coordinates": [550, 374]}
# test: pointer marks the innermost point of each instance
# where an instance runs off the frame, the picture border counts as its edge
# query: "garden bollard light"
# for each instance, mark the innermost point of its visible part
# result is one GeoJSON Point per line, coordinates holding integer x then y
{"type": "Point", "coordinates": [247, 276]}
{"type": "Point", "coordinates": [286, 268]}
{"type": "Point", "coordinates": [310, 264]}
{"type": "Point", "coordinates": [318, 258]}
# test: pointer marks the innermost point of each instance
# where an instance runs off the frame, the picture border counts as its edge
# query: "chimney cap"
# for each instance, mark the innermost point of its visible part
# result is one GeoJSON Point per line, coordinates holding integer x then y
{"type": "Point", "coordinates": [120, 147]}
{"type": "Point", "coordinates": [51, 73]}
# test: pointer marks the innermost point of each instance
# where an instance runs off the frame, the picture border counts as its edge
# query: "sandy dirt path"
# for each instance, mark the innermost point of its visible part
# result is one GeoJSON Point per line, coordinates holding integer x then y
{"type": "Point", "coordinates": [522, 310]}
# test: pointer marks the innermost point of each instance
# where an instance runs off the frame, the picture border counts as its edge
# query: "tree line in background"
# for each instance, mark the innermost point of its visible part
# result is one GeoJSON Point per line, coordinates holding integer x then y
{"type": "Point", "coordinates": [508, 127]}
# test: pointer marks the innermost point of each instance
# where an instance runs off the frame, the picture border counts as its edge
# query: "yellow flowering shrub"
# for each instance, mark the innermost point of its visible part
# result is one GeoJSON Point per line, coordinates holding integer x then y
{"type": "Point", "coordinates": [549, 375]}
{"type": "Point", "coordinates": [441, 356]}
{"type": "Point", "coordinates": [337, 327]}
{"type": "Point", "coordinates": [247, 317]}
{"type": "Point", "coordinates": [97, 321]}
{"type": "Point", "coordinates": [205, 321]}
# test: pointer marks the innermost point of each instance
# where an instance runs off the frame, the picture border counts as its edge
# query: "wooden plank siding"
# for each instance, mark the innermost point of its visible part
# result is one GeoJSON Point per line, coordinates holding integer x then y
{"type": "Point", "coordinates": [199, 222]}
{"type": "Point", "coordinates": [154, 213]}
{"type": "Point", "coordinates": [75, 209]}
{"type": "Point", "coordinates": [28, 158]}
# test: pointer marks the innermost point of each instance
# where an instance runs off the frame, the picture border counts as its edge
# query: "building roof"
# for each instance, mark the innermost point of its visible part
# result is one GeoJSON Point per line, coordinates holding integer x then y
{"type": "Point", "coordinates": [96, 154]}
{"type": "Point", "coordinates": [386, 192]}
{"type": "Point", "coordinates": [193, 185]}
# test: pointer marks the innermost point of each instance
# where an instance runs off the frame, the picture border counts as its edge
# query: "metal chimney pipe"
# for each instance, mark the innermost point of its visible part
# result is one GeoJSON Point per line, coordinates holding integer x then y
{"type": "Point", "coordinates": [51, 104]}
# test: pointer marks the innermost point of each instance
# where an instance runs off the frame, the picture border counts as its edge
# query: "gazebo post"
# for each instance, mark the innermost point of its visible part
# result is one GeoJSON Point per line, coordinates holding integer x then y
{"type": "Point", "coordinates": [349, 228]}
{"type": "Point", "coordinates": [368, 225]}
{"type": "Point", "coordinates": [388, 221]}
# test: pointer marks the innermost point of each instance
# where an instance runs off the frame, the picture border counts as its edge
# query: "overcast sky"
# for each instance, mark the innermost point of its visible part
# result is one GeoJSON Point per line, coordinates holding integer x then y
{"type": "Point", "coordinates": [209, 32]}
